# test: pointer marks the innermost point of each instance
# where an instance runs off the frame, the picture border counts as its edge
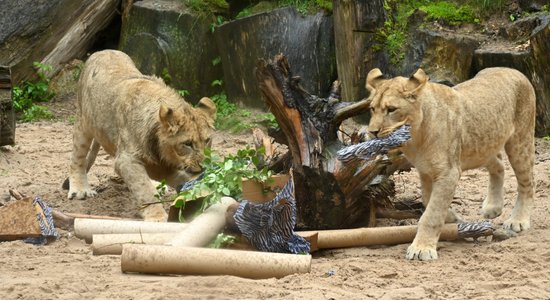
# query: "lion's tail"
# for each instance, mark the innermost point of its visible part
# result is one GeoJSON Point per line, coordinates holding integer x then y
{"type": "Point", "coordinates": [90, 159]}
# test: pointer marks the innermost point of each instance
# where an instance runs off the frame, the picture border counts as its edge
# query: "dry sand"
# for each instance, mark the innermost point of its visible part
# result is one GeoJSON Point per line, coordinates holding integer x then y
{"type": "Point", "coordinates": [516, 268]}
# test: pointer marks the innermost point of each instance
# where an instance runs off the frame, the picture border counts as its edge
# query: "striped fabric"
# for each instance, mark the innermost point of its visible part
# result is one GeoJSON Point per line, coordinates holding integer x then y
{"type": "Point", "coordinates": [372, 147]}
{"type": "Point", "coordinates": [45, 221]}
{"type": "Point", "coordinates": [270, 226]}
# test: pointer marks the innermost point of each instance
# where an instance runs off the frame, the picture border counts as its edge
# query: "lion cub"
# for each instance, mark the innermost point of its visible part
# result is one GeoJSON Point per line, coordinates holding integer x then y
{"type": "Point", "coordinates": [456, 129]}
{"type": "Point", "coordinates": [147, 126]}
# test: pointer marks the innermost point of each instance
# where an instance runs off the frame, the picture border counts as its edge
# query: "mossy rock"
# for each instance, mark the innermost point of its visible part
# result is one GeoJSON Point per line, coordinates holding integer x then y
{"type": "Point", "coordinates": [167, 39]}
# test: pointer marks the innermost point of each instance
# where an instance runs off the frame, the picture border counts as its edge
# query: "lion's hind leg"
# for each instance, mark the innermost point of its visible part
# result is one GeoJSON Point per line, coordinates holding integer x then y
{"type": "Point", "coordinates": [521, 154]}
{"type": "Point", "coordinates": [493, 203]}
{"type": "Point", "coordinates": [78, 180]}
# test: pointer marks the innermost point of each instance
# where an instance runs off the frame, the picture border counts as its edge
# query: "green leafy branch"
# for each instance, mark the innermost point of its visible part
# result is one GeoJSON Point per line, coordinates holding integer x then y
{"type": "Point", "coordinates": [223, 177]}
{"type": "Point", "coordinates": [27, 95]}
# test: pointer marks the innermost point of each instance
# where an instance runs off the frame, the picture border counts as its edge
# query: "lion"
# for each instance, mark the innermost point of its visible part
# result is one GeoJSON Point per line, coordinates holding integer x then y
{"type": "Point", "coordinates": [458, 128]}
{"type": "Point", "coordinates": [146, 126]}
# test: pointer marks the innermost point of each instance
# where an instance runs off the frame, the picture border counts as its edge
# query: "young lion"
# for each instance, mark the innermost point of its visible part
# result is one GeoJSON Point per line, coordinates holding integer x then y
{"type": "Point", "coordinates": [456, 129]}
{"type": "Point", "coordinates": [149, 129]}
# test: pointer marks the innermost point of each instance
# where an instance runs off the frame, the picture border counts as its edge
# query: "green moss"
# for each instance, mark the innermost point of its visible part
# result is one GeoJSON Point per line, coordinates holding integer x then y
{"type": "Point", "coordinates": [449, 13]}
{"type": "Point", "coordinates": [207, 6]}
{"type": "Point", "coordinates": [307, 6]}
{"type": "Point", "coordinates": [393, 37]}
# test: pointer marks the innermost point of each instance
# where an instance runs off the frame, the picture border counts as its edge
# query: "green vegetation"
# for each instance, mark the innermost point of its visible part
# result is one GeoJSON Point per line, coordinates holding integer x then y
{"type": "Point", "coordinates": [393, 37]}
{"type": "Point", "coordinates": [303, 6]}
{"type": "Point", "coordinates": [26, 96]}
{"type": "Point", "coordinates": [161, 190]}
{"type": "Point", "coordinates": [307, 6]}
{"type": "Point", "coordinates": [207, 6]}
{"type": "Point", "coordinates": [222, 177]}
{"type": "Point", "coordinates": [449, 13]}
{"type": "Point", "coordinates": [232, 119]}
{"type": "Point", "coordinates": [165, 75]}
{"type": "Point", "coordinates": [222, 240]}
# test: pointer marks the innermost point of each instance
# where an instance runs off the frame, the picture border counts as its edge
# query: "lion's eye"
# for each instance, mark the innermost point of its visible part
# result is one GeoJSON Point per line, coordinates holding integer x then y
{"type": "Point", "coordinates": [188, 144]}
{"type": "Point", "coordinates": [391, 109]}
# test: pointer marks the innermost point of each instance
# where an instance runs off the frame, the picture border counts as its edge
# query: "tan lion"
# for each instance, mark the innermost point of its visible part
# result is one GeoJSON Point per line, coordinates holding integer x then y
{"type": "Point", "coordinates": [147, 126]}
{"type": "Point", "coordinates": [456, 129]}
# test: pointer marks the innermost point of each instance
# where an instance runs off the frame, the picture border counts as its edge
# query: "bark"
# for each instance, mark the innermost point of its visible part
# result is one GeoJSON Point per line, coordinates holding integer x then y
{"type": "Point", "coordinates": [329, 194]}
{"type": "Point", "coordinates": [7, 113]}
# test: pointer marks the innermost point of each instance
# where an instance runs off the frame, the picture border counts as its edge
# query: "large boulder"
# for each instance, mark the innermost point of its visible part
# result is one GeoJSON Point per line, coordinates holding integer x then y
{"type": "Point", "coordinates": [444, 56]}
{"type": "Point", "coordinates": [307, 42]}
{"type": "Point", "coordinates": [533, 60]}
{"type": "Point", "coordinates": [167, 39]}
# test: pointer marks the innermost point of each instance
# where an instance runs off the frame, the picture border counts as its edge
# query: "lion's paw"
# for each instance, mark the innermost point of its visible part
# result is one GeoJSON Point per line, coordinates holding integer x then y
{"type": "Point", "coordinates": [491, 211]}
{"type": "Point", "coordinates": [155, 213]}
{"type": "Point", "coordinates": [81, 194]}
{"type": "Point", "coordinates": [517, 225]}
{"type": "Point", "coordinates": [421, 253]}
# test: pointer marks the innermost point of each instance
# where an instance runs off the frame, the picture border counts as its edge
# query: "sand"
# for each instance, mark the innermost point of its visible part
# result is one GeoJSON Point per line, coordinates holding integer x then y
{"type": "Point", "coordinates": [516, 268]}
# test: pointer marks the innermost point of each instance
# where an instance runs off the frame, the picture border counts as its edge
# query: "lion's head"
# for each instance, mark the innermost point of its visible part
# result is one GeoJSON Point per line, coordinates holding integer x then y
{"type": "Point", "coordinates": [184, 133]}
{"type": "Point", "coordinates": [393, 102]}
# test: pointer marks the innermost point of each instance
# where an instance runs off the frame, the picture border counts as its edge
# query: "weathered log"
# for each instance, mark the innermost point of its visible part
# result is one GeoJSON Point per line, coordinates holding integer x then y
{"type": "Point", "coordinates": [330, 194]}
{"type": "Point", "coordinates": [355, 26]}
{"type": "Point", "coordinates": [7, 113]}
{"type": "Point", "coordinates": [53, 32]}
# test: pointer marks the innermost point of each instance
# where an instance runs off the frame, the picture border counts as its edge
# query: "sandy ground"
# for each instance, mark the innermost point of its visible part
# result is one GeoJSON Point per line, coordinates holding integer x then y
{"type": "Point", "coordinates": [516, 268]}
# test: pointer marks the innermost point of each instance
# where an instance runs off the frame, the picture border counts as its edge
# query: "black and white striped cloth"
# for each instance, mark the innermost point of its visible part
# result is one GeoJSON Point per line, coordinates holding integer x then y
{"type": "Point", "coordinates": [45, 221]}
{"type": "Point", "coordinates": [372, 147]}
{"type": "Point", "coordinates": [270, 226]}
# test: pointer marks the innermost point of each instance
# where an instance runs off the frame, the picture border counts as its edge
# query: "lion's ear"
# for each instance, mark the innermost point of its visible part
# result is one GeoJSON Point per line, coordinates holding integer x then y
{"type": "Point", "coordinates": [417, 82]}
{"type": "Point", "coordinates": [166, 116]}
{"type": "Point", "coordinates": [374, 78]}
{"type": "Point", "coordinates": [208, 106]}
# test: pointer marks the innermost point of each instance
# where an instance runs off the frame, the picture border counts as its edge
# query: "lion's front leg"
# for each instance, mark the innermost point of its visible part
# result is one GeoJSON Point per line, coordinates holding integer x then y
{"type": "Point", "coordinates": [426, 185]}
{"type": "Point", "coordinates": [79, 187]}
{"type": "Point", "coordinates": [135, 176]}
{"type": "Point", "coordinates": [424, 245]}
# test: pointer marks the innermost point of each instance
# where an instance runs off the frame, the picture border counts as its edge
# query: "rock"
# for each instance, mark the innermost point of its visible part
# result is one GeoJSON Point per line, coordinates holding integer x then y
{"type": "Point", "coordinates": [532, 5]}
{"type": "Point", "coordinates": [445, 57]}
{"type": "Point", "coordinates": [533, 61]}
{"type": "Point", "coordinates": [307, 42]}
{"type": "Point", "coordinates": [166, 39]}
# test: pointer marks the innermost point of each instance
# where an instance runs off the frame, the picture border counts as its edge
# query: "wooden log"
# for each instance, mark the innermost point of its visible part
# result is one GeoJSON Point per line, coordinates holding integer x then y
{"type": "Point", "coordinates": [79, 35]}
{"type": "Point", "coordinates": [61, 31]}
{"type": "Point", "coordinates": [204, 228]}
{"type": "Point", "coordinates": [203, 261]}
{"type": "Point", "coordinates": [86, 228]}
{"type": "Point", "coordinates": [355, 26]}
{"type": "Point", "coordinates": [7, 111]}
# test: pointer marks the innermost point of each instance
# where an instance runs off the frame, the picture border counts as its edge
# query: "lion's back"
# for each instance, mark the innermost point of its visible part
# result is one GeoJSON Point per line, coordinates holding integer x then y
{"type": "Point", "coordinates": [110, 90]}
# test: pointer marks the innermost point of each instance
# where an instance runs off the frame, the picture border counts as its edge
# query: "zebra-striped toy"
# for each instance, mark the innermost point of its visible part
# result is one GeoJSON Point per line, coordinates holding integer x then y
{"type": "Point", "coordinates": [372, 147]}
{"type": "Point", "coordinates": [270, 226]}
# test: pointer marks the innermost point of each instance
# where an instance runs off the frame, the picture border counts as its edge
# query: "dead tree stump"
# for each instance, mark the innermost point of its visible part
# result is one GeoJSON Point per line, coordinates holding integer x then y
{"type": "Point", "coordinates": [329, 194]}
